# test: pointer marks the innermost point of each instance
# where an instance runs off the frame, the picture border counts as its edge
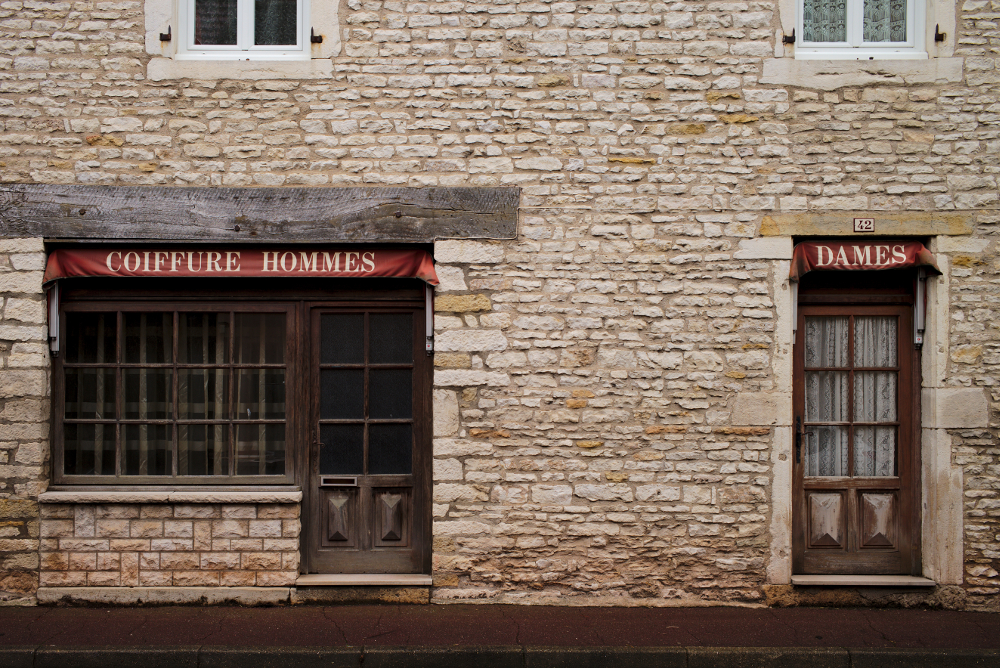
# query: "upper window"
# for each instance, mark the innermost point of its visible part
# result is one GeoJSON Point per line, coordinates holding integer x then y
{"type": "Point", "coordinates": [860, 29]}
{"type": "Point", "coordinates": [244, 29]}
{"type": "Point", "coordinates": [147, 394]}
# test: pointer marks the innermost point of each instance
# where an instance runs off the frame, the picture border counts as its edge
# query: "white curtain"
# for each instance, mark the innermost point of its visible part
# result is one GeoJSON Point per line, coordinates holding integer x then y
{"type": "Point", "coordinates": [827, 345]}
{"type": "Point", "coordinates": [875, 396]}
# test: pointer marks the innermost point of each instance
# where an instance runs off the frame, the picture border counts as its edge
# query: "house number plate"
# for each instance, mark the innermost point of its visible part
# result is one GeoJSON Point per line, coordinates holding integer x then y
{"type": "Point", "coordinates": [864, 224]}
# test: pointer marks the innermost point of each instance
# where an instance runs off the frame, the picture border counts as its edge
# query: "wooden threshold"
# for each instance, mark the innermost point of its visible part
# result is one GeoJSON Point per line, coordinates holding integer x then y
{"type": "Point", "coordinates": [364, 579]}
{"type": "Point", "coordinates": [862, 581]}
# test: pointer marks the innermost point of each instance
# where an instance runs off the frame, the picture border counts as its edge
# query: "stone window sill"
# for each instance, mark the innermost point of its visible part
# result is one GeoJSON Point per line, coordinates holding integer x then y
{"type": "Point", "coordinates": [171, 496]}
{"type": "Point", "coordinates": [161, 69]}
{"type": "Point", "coordinates": [834, 74]}
{"type": "Point", "coordinates": [861, 581]}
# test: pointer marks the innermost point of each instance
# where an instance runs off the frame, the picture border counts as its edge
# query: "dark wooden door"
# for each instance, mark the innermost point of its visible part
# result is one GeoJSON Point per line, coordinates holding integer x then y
{"type": "Point", "coordinates": [368, 483]}
{"type": "Point", "coordinates": [855, 443]}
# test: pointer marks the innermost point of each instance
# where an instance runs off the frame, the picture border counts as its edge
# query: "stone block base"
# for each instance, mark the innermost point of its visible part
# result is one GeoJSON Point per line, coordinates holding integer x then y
{"type": "Point", "coordinates": [163, 595]}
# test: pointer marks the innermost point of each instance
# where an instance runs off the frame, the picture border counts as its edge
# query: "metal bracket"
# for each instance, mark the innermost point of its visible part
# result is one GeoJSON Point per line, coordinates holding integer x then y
{"type": "Point", "coordinates": [938, 35]}
{"type": "Point", "coordinates": [54, 319]}
{"type": "Point", "coordinates": [429, 318]}
{"type": "Point", "coordinates": [165, 36]}
{"type": "Point", "coordinates": [314, 38]}
{"type": "Point", "coordinates": [788, 39]}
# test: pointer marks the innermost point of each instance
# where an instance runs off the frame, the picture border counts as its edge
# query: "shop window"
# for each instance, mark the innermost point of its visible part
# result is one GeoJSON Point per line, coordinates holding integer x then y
{"type": "Point", "coordinates": [149, 395]}
{"type": "Point", "coordinates": [860, 29]}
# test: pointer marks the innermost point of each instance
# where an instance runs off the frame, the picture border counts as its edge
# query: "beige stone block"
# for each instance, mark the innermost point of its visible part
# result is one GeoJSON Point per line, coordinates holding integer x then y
{"type": "Point", "coordinates": [128, 544]}
{"type": "Point", "coordinates": [130, 569]}
{"type": "Point", "coordinates": [455, 251]}
{"type": "Point", "coordinates": [260, 561]}
{"type": "Point", "coordinates": [26, 282]}
{"type": "Point", "coordinates": [28, 261]}
{"type": "Point", "coordinates": [277, 511]}
{"type": "Point", "coordinates": [20, 383]}
{"type": "Point", "coordinates": [57, 528]}
{"type": "Point", "coordinates": [202, 535]}
{"type": "Point", "coordinates": [237, 578]}
{"type": "Point", "coordinates": [611, 492]}
{"type": "Point", "coordinates": [146, 529]}
{"type": "Point", "coordinates": [290, 528]}
{"type": "Point", "coordinates": [25, 310]}
{"type": "Point", "coordinates": [149, 561]}
{"type": "Point", "coordinates": [83, 561]}
{"type": "Point", "coordinates": [219, 560]}
{"type": "Point", "coordinates": [445, 404]}
{"type": "Point", "coordinates": [561, 495]}
{"type": "Point", "coordinates": [178, 529]}
{"type": "Point", "coordinates": [229, 529]}
{"type": "Point", "coordinates": [954, 408]}
{"type": "Point", "coordinates": [959, 245]}
{"type": "Point", "coordinates": [265, 528]}
{"type": "Point", "coordinates": [25, 245]}
{"type": "Point", "coordinates": [238, 512]}
{"type": "Point", "coordinates": [155, 578]}
{"type": "Point", "coordinates": [657, 493]}
{"type": "Point", "coordinates": [62, 578]}
{"type": "Point", "coordinates": [179, 561]}
{"type": "Point", "coordinates": [762, 408]}
{"type": "Point", "coordinates": [108, 561]}
{"type": "Point", "coordinates": [277, 578]}
{"type": "Point", "coordinates": [170, 545]}
{"type": "Point", "coordinates": [195, 578]}
{"type": "Point", "coordinates": [279, 544]}
{"type": "Point", "coordinates": [470, 340]}
{"type": "Point", "coordinates": [451, 279]}
{"type": "Point", "coordinates": [84, 522]}
{"type": "Point", "coordinates": [765, 248]}
{"type": "Point", "coordinates": [469, 378]}
{"type": "Point", "coordinates": [54, 561]}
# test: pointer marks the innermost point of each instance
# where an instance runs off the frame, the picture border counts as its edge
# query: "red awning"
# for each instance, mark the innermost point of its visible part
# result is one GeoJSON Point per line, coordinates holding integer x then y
{"type": "Point", "coordinates": [859, 256]}
{"type": "Point", "coordinates": [229, 262]}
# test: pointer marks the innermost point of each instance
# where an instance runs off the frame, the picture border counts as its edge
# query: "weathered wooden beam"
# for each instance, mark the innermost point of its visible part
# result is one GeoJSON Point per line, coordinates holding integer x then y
{"type": "Point", "coordinates": [257, 214]}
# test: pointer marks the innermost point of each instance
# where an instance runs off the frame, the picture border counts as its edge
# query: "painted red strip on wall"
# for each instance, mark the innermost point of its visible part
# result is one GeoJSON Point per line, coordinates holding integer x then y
{"type": "Point", "coordinates": [229, 262]}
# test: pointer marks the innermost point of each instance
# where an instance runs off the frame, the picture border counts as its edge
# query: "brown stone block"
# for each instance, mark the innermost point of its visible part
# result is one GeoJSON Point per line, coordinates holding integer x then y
{"type": "Point", "coordinates": [129, 569]}
{"type": "Point", "coordinates": [178, 529]}
{"type": "Point", "coordinates": [237, 578]}
{"type": "Point", "coordinates": [62, 578]}
{"type": "Point", "coordinates": [18, 582]}
{"type": "Point", "coordinates": [55, 510]}
{"type": "Point", "coordinates": [219, 560]}
{"type": "Point", "coordinates": [278, 511]}
{"type": "Point", "coordinates": [112, 528]}
{"type": "Point", "coordinates": [195, 511]}
{"type": "Point", "coordinates": [452, 360]}
{"type": "Point", "coordinates": [277, 578]}
{"type": "Point", "coordinates": [280, 544]}
{"type": "Point", "coordinates": [116, 511]}
{"type": "Point", "coordinates": [83, 561]}
{"type": "Point", "coordinates": [156, 511]}
{"type": "Point", "coordinates": [246, 545]}
{"type": "Point", "coordinates": [128, 545]}
{"type": "Point", "coordinates": [462, 303]}
{"type": "Point", "coordinates": [109, 561]}
{"type": "Point", "coordinates": [290, 561]}
{"type": "Point", "coordinates": [229, 529]}
{"type": "Point", "coordinates": [18, 509]}
{"type": "Point", "coordinates": [195, 578]}
{"type": "Point", "coordinates": [267, 561]}
{"type": "Point", "coordinates": [57, 528]}
{"type": "Point", "coordinates": [179, 561]}
{"type": "Point", "coordinates": [290, 528]}
{"type": "Point", "coordinates": [667, 429]}
{"type": "Point", "coordinates": [84, 544]}
{"type": "Point", "coordinates": [104, 579]}
{"type": "Point", "coordinates": [149, 561]}
{"type": "Point", "coordinates": [266, 528]}
{"type": "Point", "coordinates": [155, 578]}
{"type": "Point", "coordinates": [202, 535]}
{"type": "Point", "coordinates": [241, 511]}
{"type": "Point", "coordinates": [24, 560]}
{"type": "Point", "coordinates": [170, 545]}
{"type": "Point", "coordinates": [146, 529]}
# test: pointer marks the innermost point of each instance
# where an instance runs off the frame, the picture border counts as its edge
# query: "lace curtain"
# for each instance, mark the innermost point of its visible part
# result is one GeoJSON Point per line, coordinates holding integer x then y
{"type": "Point", "coordinates": [275, 22]}
{"type": "Point", "coordinates": [885, 21]}
{"type": "Point", "coordinates": [827, 396]}
{"type": "Point", "coordinates": [824, 20]}
{"type": "Point", "coordinates": [215, 22]}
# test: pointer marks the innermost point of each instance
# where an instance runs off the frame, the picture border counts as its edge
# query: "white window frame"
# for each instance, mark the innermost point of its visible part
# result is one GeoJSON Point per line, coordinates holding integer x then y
{"type": "Point", "coordinates": [244, 49]}
{"type": "Point", "coordinates": [854, 48]}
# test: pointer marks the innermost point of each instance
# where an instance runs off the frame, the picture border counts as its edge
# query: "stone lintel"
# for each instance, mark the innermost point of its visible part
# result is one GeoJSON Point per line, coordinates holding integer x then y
{"type": "Point", "coordinates": [167, 496]}
{"type": "Point", "coordinates": [165, 595]}
{"type": "Point", "coordinates": [841, 224]}
{"type": "Point", "coordinates": [954, 408]}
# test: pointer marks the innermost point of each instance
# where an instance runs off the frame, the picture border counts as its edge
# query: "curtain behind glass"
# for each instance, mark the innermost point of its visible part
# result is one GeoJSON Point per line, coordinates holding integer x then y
{"type": "Point", "coordinates": [824, 21]}
{"type": "Point", "coordinates": [215, 22]}
{"type": "Point", "coordinates": [275, 22]}
{"type": "Point", "coordinates": [885, 21]}
{"type": "Point", "coordinates": [875, 395]}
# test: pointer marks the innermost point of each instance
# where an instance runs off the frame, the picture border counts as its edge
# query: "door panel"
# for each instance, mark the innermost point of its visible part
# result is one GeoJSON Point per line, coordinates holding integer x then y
{"type": "Point", "coordinates": [855, 442]}
{"type": "Point", "coordinates": [368, 477]}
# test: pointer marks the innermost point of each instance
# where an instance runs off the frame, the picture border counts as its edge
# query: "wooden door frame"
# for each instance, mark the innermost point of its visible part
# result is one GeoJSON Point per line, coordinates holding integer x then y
{"type": "Point", "coordinates": [909, 466]}
{"type": "Point", "coordinates": [422, 426]}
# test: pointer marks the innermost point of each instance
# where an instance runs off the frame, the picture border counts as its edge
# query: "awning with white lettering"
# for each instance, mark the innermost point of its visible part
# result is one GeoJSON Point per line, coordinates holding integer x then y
{"type": "Point", "coordinates": [859, 256]}
{"type": "Point", "coordinates": [241, 262]}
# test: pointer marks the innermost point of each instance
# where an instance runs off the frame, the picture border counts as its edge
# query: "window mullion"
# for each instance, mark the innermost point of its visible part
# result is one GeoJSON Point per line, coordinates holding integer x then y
{"type": "Point", "coordinates": [855, 22]}
{"type": "Point", "coordinates": [245, 21]}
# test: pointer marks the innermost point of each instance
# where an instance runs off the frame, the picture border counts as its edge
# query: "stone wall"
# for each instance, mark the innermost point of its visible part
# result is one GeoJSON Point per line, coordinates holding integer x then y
{"type": "Point", "coordinates": [586, 372]}
{"type": "Point", "coordinates": [162, 545]}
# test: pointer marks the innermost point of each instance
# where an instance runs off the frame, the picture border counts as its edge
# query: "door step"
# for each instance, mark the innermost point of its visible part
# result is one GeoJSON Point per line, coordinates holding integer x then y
{"type": "Point", "coordinates": [862, 581]}
{"type": "Point", "coordinates": [364, 579]}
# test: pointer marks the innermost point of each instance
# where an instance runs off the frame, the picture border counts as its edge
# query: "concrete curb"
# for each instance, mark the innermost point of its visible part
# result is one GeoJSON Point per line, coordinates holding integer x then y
{"type": "Point", "coordinates": [193, 656]}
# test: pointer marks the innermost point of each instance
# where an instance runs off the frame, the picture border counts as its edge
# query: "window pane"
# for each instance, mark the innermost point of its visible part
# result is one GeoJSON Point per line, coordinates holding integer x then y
{"type": "Point", "coordinates": [203, 338]}
{"type": "Point", "coordinates": [90, 394]}
{"type": "Point", "coordinates": [826, 396]}
{"type": "Point", "coordinates": [89, 449]}
{"type": "Point", "coordinates": [260, 338]}
{"type": "Point", "coordinates": [275, 22]}
{"type": "Point", "coordinates": [885, 21]}
{"type": "Point", "coordinates": [148, 338]}
{"type": "Point", "coordinates": [202, 449]}
{"type": "Point", "coordinates": [389, 449]}
{"type": "Point", "coordinates": [391, 338]}
{"type": "Point", "coordinates": [875, 451]}
{"type": "Point", "coordinates": [201, 394]}
{"type": "Point", "coordinates": [261, 394]}
{"type": "Point", "coordinates": [147, 449]}
{"type": "Point", "coordinates": [90, 338]}
{"type": "Point", "coordinates": [260, 449]}
{"type": "Point", "coordinates": [875, 341]}
{"type": "Point", "coordinates": [342, 394]}
{"type": "Point", "coordinates": [215, 22]}
{"type": "Point", "coordinates": [342, 450]}
{"type": "Point", "coordinates": [827, 341]}
{"type": "Point", "coordinates": [826, 451]}
{"type": "Point", "coordinates": [147, 394]}
{"type": "Point", "coordinates": [875, 396]}
{"type": "Point", "coordinates": [391, 394]}
{"type": "Point", "coordinates": [343, 339]}
{"type": "Point", "coordinates": [824, 20]}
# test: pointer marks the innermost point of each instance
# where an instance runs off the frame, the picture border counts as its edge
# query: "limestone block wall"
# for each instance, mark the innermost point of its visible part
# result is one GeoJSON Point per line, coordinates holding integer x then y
{"type": "Point", "coordinates": [587, 373]}
{"type": "Point", "coordinates": [164, 545]}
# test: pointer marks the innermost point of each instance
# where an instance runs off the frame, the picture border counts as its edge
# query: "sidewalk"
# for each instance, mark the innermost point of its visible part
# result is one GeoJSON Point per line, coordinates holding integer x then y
{"type": "Point", "coordinates": [495, 635]}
